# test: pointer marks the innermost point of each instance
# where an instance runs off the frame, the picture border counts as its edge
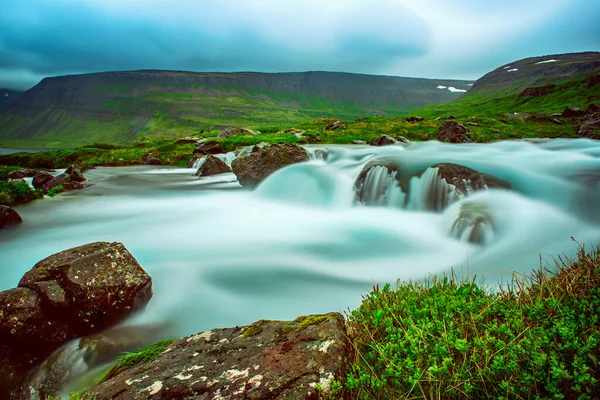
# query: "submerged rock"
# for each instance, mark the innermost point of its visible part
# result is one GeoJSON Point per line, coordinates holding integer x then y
{"type": "Point", "coordinates": [255, 167]}
{"type": "Point", "coordinates": [265, 360]}
{"type": "Point", "coordinates": [9, 217]}
{"type": "Point", "coordinates": [473, 224]}
{"type": "Point", "coordinates": [213, 166]}
{"type": "Point", "coordinates": [74, 293]}
{"type": "Point", "coordinates": [376, 182]}
{"type": "Point", "coordinates": [454, 132]}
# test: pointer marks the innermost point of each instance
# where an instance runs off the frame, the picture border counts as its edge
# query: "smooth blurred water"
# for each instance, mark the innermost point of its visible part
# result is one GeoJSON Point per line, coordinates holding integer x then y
{"type": "Point", "coordinates": [223, 256]}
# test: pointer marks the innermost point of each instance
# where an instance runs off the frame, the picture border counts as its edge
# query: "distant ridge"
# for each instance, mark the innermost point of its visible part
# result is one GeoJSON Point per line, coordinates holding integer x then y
{"type": "Point", "coordinates": [8, 97]}
{"type": "Point", "coordinates": [121, 106]}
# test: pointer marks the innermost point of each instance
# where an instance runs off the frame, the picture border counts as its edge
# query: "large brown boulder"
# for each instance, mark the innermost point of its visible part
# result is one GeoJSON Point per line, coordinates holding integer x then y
{"type": "Point", "coordinates": [266, 360]}
{"type": "Point", "coordinates": [570, 112]}
{"type": "Point", "coordinates": [9, 217]}
{"type": "Point", "coordinates": [383, 140]}
{"type": "Point", "coordinates": [255, 167]}
{"type": "Point", "coordinates": [75, 171]}
{"type": "Point", "coordinates": [41, 178]}
{"type": "Point", "coordinates": [213, 165]}
{"type": "Point", "coordinates": [63, 180]}
{"type": "Point", "coordinates": [74, 293]}
{"type": "Point", "coordinates": [22, 173]}
{"type": "Point", "coordinates": [209, 147]}
{"type": "Point", "coordinates": [454, 132]}
{"type": "Point", "coordinates": [588, 126]}
{"type": "Point", "coordinates": [467, 180]}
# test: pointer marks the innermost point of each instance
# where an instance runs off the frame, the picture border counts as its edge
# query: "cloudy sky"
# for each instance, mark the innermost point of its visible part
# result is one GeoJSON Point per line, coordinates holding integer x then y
{"type": "Point", "coordinates": [422, 38]}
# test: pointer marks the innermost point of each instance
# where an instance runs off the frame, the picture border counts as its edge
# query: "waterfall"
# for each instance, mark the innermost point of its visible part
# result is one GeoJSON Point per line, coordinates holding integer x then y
{"type": "Point", "coordinates": [430, 192]}
{"type": "Point", "coordinates": [380, 187]}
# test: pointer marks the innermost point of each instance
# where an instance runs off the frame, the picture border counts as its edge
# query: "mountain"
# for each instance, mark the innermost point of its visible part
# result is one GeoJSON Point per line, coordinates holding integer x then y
{"type": "Point", "coordinates": [553, 69]}
{"type": "Point", "coordinates": [119, 107]}
{"type": "Point", "coordinates": [8, 97]}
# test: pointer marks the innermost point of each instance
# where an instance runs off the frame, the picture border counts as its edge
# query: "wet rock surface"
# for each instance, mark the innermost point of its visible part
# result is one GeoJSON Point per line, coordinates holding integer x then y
{"type": "Point", "coordinates": [383, 140]}
{"type": "Point", "coordinates": [41, 178]}
{"type": "Point", "coordinates": [150, 159]}
{"type": "Point", "coordinates": [454, 132]}
{"type": "Point", "coordinates": [213, 165]}
{"type": "Point", "coordinates": [207, 147]}
{"type": "Point", "coordinates": [9, 217]}
{"type": "Point", "coordinates": [63, 180]}
{"type": "Point", "coordinates": [467, 180]}
{"type": "Point", "coordinates": [74, 293]}
{"type": "Point", "coordinates": [255, 167]}
{"type": "Point", "coordinates": [22, 173]}
{"type": "Point", "coordinates": [75, 171]}
{"type": "Point", "coordinates": [265, 360]}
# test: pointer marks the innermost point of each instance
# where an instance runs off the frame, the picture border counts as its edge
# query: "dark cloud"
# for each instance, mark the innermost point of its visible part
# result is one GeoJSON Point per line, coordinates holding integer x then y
{"type": "Point", "coordinates": [52, 38]}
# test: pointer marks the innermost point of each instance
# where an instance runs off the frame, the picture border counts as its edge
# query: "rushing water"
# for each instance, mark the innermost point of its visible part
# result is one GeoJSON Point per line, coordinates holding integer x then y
{"type": "Point", "coordinates": [300, 243]}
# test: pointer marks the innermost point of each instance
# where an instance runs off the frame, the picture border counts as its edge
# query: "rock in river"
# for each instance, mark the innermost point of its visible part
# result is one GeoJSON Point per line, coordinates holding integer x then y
{"type": "Point", "coordinates": [255, 167]}
{"type": "Point", "coordinates": [213, 165]}
{"type": "Point", "coordinates": [453, 132]}
{"type": "Point", "coordinates": [9, 217]}
{"type": "Point", "coordinates": [265, 360]}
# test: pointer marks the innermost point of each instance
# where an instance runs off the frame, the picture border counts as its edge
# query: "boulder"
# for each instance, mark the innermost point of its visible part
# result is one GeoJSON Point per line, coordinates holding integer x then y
{"type": "Point", "coordinates": [150, 159]}
{"type": "Point", "coordinates": [383, 140]}
{"type": "Point", "coordinates": [402, 139]}
{"type": "Point", "coordinates": [589, 126]}
{"type": "Point", "coordinates": [415, 119]}
{"type": "Point", "coordinates": [454, 132]}
{"type": "Point", "coordinates": [41, 178]}
{"type": "Point", "coordinates": [209, 147]}
{"type": "Point", "coordinates": [21, 173]}
{"type": "Point", "coordinates": [357, 141]}
{"type": "Point", "coordinates": [592, 108]}
{"type": "Point", "coordinates": [537, 91]}
{"type": "Point", "coordinates": [9, 217]}
{"type": "Point", "coordinates": [213, 165]}
{"type": "Point", "coordinates": [255, 167]}
{"type": "Point", "coordinates": [334, 126]}
{"type": "Point", "coordinates": [231, 131]}
{"type": "Point", "coordinates": [187, 140]}
{"type": "Point", "coordinates": [63, 180]}
{"type": "Point", "coordinates": [373, 182]}
{"type": "Point", "coordinates": [76, 173]}
{"type": "Point", "coordinates": [260, 146]}
{"type": "Point", "coordinates": [570, 112]}
{"type": "Point", "coordinates": [266, 360]}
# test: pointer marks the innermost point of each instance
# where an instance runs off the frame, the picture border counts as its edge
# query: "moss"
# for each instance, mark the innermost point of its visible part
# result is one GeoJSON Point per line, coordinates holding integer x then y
{"type": "Point", "coordinates": [254, 329]}
{"type": "Point", "coordinates": [305, 322]}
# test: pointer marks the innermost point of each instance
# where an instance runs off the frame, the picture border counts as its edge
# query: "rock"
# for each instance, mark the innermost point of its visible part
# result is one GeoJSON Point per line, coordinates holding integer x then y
{"type": "Point", "coordinates": [255, 167]}
{"type": "Point", "coordinates": [90, 287]}
{"type": "Point", "coordinates": [373, 182]}
{"type": "Point", "coordinates": [40, 179]}
{"type": "Point", "coordinates": [266, 360]}
{"type": "Point", "coordinates": [556, 115]}
{"type": "Point", "coordinates": [557, 121]}
{"type": "Point", "coordinates": [321, 154]}
{"type": "Point", "coordinates": [415, 119]}
{"type": "Point", "coordinates": [21, 173]}
{"type": "Point", "coordinates": [187, 140]}
{"type": "Point", "coordinates": [589, 126]}
{"type": "Point", "coordinates": [17, 181]}
{"type": "Point", "coordinates": [451, 117]}
{"type": "Point", "coordinates": [356, 141]}
{"type": "Point", "coordinates": [472, 124]}
{"type": "Point", "coordinates": [383, 140]}
{"type": "Point", "coordinates": [9, 217]}
{"type": "Point", "coordinates": [402, 139]}
{"type": "Point", "coordinates": [454, 132]}
{"type": "Point", "coordinates": [150, 159]}
{"type": "Point", "coordinates": [517, 115]}
{"type": "Point", "coordinates": [537, 91]}
{"type": "Point", "coordinates": [63, 180]}
{"type": "Point", "coordinates": [209, 147]}
{"type": "Point", "coordinates": [592, 108]}
{"type": "Point", "coordinates": [335, 125]}
{"type": "Point", "coordinates": [467, 180]}
{"type": "Point", "coordinates": [76, 173]}
{"type": "Point", "coordinates": [260, 146]}
{"type": "Point", "coordinates": [592, 80]}
{"type": "Point", "coordinates": [213, 165]}
{"type": "Point", "coordinates": [570, 112]}
{"type": "Point", "coordinates": [231, 131]}
{"type": "Point", "coordinates": [540, 118]}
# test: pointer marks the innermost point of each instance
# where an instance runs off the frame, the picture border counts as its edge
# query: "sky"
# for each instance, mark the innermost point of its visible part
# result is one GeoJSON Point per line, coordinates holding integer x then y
{"type": "Point", "coordinates": [460, 39]}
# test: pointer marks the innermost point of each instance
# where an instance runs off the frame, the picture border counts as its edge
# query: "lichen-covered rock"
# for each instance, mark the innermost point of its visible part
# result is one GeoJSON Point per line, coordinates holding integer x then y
{"type": "Point", "coordinates": [41, 178]}
{"type": "Point", "coordinates": [255, 167]}
{"type": "Point", "coordinates": [454, 132]}
{"type": "Point", "coordinates": [9, 217]}
{"type": "Point", "coordinates": [232, 131]}
{"type": "Point", "coordinates": [150, 159]}
{"type": "Point", "coordinates": [213, 166]}
{"type": "Point", "coordinates": [266, 360]}
{"type": "Point", "coordinates": [90, 287]}
{"type": "Point", "coordinates": [75, 171]}
{"type": "Point", "coordinates": [383, 140]}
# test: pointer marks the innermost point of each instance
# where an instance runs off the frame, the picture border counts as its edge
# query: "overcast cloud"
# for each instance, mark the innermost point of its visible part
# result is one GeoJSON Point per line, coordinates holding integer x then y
{"type": "Point", "coordinates": [432, 39]}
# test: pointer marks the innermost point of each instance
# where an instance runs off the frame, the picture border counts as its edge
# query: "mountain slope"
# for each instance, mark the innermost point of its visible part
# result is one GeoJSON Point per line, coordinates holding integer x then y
{"type": "Point", "coordinates": [8, 97]}
{"type": "Point", "coordinates": [121, 106]}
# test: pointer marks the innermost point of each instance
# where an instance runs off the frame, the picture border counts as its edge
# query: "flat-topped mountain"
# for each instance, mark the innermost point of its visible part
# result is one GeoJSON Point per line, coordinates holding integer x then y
{"type": "Point", "coordinates": [120, 106]}
{"type": "Point", "coordinates": [538, 71]}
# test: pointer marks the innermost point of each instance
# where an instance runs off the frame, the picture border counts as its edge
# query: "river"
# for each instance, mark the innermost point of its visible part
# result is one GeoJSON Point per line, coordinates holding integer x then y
{"type": "Point", "coordinates": [220, 255]}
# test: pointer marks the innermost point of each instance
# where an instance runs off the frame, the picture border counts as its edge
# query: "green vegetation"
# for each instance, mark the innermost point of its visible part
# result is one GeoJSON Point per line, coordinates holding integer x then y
{"type": "Point", "coordinates": [453, 339]}
{"type": "Point", "coordinates": [305, 322]}
{"type": "Point", "coordinates": [143, 356]}
{"type": "Point", "coordinates": [56, 190]}
{"type": "Point", "coordinates": [17, 193]}
{"type": "Point", "coordinates": [74, 396]}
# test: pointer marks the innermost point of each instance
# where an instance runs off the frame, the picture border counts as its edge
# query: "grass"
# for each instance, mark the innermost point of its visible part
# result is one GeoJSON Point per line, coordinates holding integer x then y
{"type": "Point", "coordinates": [12, 194]}
{"type": "Point", "coordinates": [453, 339]}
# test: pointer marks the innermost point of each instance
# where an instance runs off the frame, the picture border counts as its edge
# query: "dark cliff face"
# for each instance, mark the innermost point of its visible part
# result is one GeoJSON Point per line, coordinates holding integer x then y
{"type": "Point", "coordinates": [537, 71]}
{"type": "Point", "coordinates": [8, 97]}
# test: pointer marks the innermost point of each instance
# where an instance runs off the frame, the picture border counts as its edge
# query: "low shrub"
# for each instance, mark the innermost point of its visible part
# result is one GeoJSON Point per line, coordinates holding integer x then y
{"type": "Point", "coordinates": [16, 193]}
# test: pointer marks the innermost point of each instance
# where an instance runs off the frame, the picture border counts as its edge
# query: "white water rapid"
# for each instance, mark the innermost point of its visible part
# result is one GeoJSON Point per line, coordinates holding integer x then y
{"type": "Point", "coordinates": [301, 243]}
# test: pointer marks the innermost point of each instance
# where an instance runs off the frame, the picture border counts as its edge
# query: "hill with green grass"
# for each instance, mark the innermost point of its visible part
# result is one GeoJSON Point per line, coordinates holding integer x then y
{"type": "Point", "coordinates": [120, 107]}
